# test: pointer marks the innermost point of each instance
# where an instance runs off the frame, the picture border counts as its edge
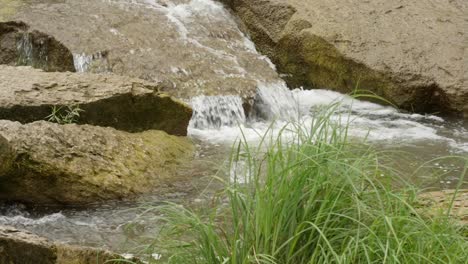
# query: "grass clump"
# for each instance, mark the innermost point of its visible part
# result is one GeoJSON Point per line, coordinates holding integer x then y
{"type": "Point", "coordinates": [64, 114]}
{"type": "Point", "coordinates": [310, 195]}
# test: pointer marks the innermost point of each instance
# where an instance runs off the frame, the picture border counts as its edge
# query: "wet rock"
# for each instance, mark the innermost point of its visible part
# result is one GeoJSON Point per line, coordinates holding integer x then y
{"type": "Point", "coordinates": [440, 201]}
{"type": "Point", "coordinates": [22, 247]}
{"type": "Point", "coordinates": [413, 53]}
{"type": "Point", "coordinates": [21, 46]}
{"type": "Point", "coordinates": [106, 100]}
{"type": "Point", "coordinates": [80, 164]}
{"type": "Point", "coordinates": [194, 47]}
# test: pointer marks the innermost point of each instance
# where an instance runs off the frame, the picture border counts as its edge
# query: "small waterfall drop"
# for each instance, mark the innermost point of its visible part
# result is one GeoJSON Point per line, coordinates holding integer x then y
{"type": "Point", "coordinates": [217, 111]}
{"type": "Point", "coordinates": [25, 50]}
{"type": "Point", "coordinates": [275, 101]}
{"type": "Point", "coordinates": [84, 62]}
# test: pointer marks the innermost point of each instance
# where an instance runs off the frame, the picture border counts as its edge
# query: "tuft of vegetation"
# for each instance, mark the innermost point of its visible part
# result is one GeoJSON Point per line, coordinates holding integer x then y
{"type": "Point", "coordinates": [64, 114]}
{"type": "Point", "coordinates": [307, 196]}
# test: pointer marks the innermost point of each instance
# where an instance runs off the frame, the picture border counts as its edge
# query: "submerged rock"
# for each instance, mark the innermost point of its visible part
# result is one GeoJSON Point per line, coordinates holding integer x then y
{"type": "Point", "coordinates": [133, 105]}
{"type": "Point", "coordinates": [194, 47]}
{"type": "Point", "coordinates": [80, 164]}
{"type": "Point", "coordinates": [21, 46]}
{"type": "Point", "coordinates": [440, 201]}
{"type": "Point", "coordinates": [411, 52]}
{"type": "Point", "coordinates": [22, 247]}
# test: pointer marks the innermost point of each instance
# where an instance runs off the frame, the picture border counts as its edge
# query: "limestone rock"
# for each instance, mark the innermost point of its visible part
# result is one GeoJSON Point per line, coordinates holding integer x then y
{"type": "Point", "coordinates": [439, 201]}
{"type": "Point", "coordinates": [21, 46]}
{"type": "Point", "coordinates": [22, 247]}
{"type": "Point", "coordinates": [192, 47]}
{"type": "Point", "coordinates": [80, 164]}
{"type": "Point", "coordinates": [133, 105]}
{"type": "Point", "coordinates": [410, 52]}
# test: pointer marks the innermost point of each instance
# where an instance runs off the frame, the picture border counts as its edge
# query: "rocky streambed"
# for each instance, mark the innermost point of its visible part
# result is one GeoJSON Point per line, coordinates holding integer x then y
{"type": "Point", "coordinates": [108, 107]}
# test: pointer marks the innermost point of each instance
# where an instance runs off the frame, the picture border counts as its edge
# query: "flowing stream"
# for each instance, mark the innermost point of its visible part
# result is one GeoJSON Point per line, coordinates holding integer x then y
{"type": "Point", "coordinates": [219, 121]}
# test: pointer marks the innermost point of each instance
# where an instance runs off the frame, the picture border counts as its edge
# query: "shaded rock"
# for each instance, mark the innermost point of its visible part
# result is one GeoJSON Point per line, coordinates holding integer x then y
{"type": "Point", "coordinates": [22, 247]}
{"type": "Point", "coordinates": [21, 46]}
{"type": "Point", "coordinates": [106, 100]}
{"type": "Point", "coordinates": [440, 201]}
{"type": "Point", "coordinates": [193, 47]}
{"type": "Point", "coordinates": [79, 164]}
{"type": "Point", "coordinates": [6, 156]}
{"type": "Point", "coordinates": [411, 52]}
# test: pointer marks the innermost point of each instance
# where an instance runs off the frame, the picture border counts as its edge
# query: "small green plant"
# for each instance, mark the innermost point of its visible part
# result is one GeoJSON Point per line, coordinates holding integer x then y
{"type": "Point", "coordinates": [64, 114]}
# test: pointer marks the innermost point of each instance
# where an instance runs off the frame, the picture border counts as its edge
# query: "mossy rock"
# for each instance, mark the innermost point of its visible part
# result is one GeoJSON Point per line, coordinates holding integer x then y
{"type": "Point", "coordinates": [366, 45]}
{"type": "Point", "coordinates": [81, 164]}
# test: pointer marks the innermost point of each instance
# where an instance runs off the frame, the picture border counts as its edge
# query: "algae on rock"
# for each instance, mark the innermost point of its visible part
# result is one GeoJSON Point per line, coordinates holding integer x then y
{"type": "Point", "coordinates": [81, 164]}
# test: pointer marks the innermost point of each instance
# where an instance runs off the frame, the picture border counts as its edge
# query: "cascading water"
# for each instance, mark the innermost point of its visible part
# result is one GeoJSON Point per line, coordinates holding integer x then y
{"type": "Point", "coordinates": [221, 120]}
{"type": "Point", "coordinates": [84, 62]}
{"type": "Point", "coordinates": [25, 50]}
{"type": "Point", "coordinates": [217, 111]}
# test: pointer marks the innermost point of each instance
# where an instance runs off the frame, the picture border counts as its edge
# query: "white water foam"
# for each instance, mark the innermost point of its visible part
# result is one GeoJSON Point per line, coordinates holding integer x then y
{"type": "Point", "coordinates": [22, 220]}
{"type": "Point", "coordinates": [367, 120]}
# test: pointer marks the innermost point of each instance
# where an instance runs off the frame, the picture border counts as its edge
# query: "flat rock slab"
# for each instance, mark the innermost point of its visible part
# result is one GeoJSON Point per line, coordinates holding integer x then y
{"type": "Point", "coordinates": [81, 164]}
{"type": "Point", "coordinates": [128, 104]}
{"type": "Point", "coordinates": [23, 247]}
{"type": "Point", "coordinates": [21, 46]}
{"type": "Point", "coordinates": [193, 47]}
{"type": "Point", "coordinates": [440, 201]}
{"type": "Point", "coordinates": [411, 52]}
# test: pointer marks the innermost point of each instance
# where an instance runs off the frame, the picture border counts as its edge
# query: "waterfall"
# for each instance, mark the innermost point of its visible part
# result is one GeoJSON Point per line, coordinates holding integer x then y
{"type": "Point", "coordinates": [217, 111]}
{"type": "Point", "coordinates": [83, 62]}
{"type": "Point", "coordinates": [275, 101]}
{"type": "Point", "coordinates": [25, 50]}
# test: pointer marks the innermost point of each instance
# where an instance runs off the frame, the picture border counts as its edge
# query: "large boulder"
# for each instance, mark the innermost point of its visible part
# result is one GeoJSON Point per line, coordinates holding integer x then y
{"type": "Point", "coordinates": [80, 164]}
{"type": "Point", "coordinates": [133, 105]}
{"type": "Point", "coordinates": [410, 52]}
{"type": "Point", "coordinates": [193, 47]}
{"type": "Point", "coordinates": [22, 247]}
{"type": "Point", "coordinates": [21, 46]}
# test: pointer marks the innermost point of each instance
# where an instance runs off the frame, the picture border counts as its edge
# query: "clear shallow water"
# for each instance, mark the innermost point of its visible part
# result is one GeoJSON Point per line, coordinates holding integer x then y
{"type": "Point", "coordinates": [220, 121]}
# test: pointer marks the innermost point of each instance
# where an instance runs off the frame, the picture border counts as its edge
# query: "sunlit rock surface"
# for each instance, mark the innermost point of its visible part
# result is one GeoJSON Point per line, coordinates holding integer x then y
{"type": "Point", "coordinates": [194, 47]}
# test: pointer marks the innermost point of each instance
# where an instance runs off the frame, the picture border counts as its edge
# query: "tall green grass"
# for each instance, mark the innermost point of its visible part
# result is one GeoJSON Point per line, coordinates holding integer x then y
{"type": "Point", "coordinates": [310, 195]}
